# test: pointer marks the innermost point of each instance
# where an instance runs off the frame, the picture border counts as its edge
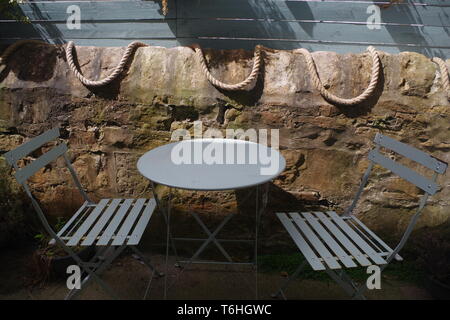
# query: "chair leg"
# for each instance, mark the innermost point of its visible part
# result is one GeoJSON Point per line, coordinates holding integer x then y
{"type": "Point", "coordinates": [84, 283]}
{"type": "Point", "coordinates": [346, 283]}
{"type": "Point", "coordinates": [95, 272]}
{"type": "Point", "coordinates": [356, 293]}
{"type": "Point", "coordinates": [147, 261]}
{"type": "Point", "coordinates": [286, 283]}
{"type": "Point", "coordinates": [74, 292]}
{"type": "Point", "coordinates": [98, 256]}
{"type": "Point", "coordinates": [359, 292]}
{"type": "Point", "coordinates": [363, 287]}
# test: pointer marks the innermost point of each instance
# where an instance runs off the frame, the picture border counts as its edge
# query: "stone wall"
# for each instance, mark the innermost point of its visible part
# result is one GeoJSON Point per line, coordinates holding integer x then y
{"type": "Point", "coordinates": [164, 89]}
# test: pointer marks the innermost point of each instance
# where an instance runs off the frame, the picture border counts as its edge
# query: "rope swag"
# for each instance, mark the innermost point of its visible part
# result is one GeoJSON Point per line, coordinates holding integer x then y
{"type": "Point", "coordinates": [231, 87]}
{"type": "Point", "coordinates": [117, 70]}
{"type": "Point", "coordinates": [444, 75]}
{"type": "Point", "coordinates": [257, 60]}
{"type": "Point", "coordinates": [165, 7]}
{"type": "Point", "coordinates": [335, 99]}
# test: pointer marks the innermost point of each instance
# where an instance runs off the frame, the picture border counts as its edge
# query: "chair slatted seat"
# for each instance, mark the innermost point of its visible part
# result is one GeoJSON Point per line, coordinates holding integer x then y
{"type": "Point", "coordinates": [92, 222]}
{"type": "Point", "coordinates": [334, 233]}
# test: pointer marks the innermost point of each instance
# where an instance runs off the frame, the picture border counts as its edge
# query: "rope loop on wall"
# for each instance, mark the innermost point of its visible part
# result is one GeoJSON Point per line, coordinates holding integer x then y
{"type": "Point", "coordinates": [117, 70]}
{"type": "Point", "coordinates": [374, 79]}
{"type": "Point", "coordinates": [376, 66]}
{"type": "Point", "coordinates": [230, 87]}
{"type": "Point", "coordinates": [444, 75]}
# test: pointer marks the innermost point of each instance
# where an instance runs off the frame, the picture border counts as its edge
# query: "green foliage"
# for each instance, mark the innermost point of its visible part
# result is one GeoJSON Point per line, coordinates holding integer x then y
{"type": "Point", "coordinates": [44, 239]}
{"type": "Point", "coordinates": [40, 236]}
{"type": "Point", "coordinates": [13, 208]}
{"type": "Point", "coordinates": [10, 9]}
{"type": "Point", "coordinates": [60, 222]}
{"type": "Point", "coordinates": [288, 263]}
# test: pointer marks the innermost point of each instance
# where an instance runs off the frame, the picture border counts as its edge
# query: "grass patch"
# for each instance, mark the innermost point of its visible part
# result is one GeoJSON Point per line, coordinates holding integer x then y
{"type": "Point", "coordinates": [407, 271]}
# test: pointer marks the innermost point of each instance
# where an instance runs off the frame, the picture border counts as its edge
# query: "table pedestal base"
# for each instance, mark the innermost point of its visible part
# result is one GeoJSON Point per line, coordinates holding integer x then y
{"type": "Point", "coordinates": [261, 192]}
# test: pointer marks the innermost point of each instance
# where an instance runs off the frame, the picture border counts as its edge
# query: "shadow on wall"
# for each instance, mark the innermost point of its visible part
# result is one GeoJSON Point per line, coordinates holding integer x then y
{"type": "Point", "coordinates": [252, 20]}
{"type": "Point", "coordinates": [231, 24]}
{"type": "Point", "coordinates": [43, 30]}
{"type": "Point", "coordinates": [417, 34]}
{"type": "Point", "coordinates": [24, 63]}
{"type": "Point", "coordinates": [47, 31]}
{"type": "Point", "coordinates": [313, 25]}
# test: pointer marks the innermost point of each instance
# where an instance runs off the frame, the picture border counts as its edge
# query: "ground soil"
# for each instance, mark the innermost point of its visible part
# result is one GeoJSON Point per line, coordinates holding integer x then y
{"type": "Point", "coordinates": [129, 278]}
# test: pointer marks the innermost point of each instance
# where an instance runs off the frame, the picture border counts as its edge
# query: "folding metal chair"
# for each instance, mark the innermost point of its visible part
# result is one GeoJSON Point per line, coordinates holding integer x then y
{"type": "Point", "coordinates": [330, 242]}
{"type": "Point", "coordinates": [110, 225]}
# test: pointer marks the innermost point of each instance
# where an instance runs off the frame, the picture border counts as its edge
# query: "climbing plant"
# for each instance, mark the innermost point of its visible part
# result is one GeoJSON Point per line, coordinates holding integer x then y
{"type": "Point", "coordinates": [10, 9]}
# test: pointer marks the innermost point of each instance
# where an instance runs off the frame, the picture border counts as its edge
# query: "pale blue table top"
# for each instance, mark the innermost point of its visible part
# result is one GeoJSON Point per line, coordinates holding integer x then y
{"type": "Point", "coordinates": [211, 164]}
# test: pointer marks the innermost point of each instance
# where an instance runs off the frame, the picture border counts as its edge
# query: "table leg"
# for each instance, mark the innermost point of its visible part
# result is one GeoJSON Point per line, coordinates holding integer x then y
{"type": "Point", "coordinates": [165, 212]}
{"type": "Point", "coordinates": [258, 214]}
{"type": "Point", "coordinates": [169, 239]}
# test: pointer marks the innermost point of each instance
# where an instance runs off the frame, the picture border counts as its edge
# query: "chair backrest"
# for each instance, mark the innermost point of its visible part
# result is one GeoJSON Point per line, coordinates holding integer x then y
{"type": "Point", "coordinates": [24, 173]}
{"type": "Point", "coordinates": [13, 156]}
{"type": "Point", "coordinates": [376, 157]}
{"type": "Point", "coordinates": [426, 184]}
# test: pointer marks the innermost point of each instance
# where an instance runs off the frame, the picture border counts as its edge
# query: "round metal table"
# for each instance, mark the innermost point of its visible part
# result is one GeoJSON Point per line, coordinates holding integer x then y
{"type": "Point", "coordinates": [223, 164]}
{"type": "Point", "coordinates": [210, 165]}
